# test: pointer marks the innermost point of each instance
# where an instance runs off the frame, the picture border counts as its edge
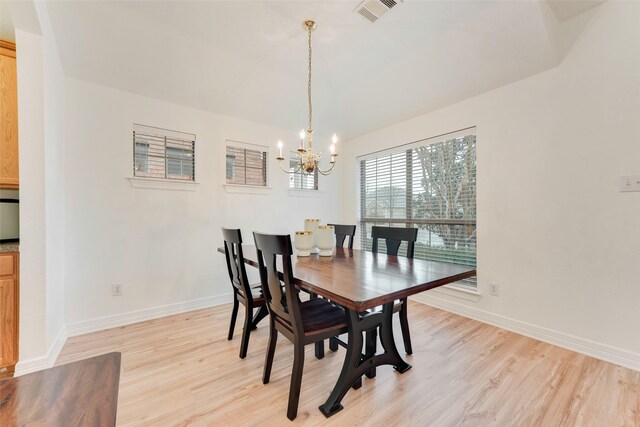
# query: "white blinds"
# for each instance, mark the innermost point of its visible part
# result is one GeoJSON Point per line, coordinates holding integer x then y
{"type": "Point", "coordinates": [163, 153]}
{"type": "Point", "coordinates": [246, 166]}
{"type": "Point", "coordinates": [431, 185]}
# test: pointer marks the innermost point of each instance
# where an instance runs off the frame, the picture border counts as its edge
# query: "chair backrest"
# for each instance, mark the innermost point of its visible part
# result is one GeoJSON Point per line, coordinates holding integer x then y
{"type": "Point", "coordinates": [343, 231]}
{"type": "Point", "coordinates": [283, 302]}
{"type": "Point", "coordinates": [235, 261]}
{"type": "Point", "coordinates": [393, 236]}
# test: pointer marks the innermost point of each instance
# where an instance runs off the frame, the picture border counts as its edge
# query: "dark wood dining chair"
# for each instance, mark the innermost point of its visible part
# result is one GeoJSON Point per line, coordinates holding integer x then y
{"type": "Point", "coordinates": [300, 322]}
{"type": "Point", "coordinates": [250, 296]}
{"type": "Point", "coordinates": [393, 237]}
{"type": "Point", "coordinates": [342, 232]}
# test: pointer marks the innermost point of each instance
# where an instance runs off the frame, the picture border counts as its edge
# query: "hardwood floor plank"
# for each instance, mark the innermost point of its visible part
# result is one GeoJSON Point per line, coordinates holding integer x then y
{"type": "Point", "coordinates": [181, 370]}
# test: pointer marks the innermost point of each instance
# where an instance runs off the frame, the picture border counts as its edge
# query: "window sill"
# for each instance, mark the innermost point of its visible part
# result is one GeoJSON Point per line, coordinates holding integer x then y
{"type": "Point", "coordinates": [293, 192]}
{"type": "Point", "coordinates": [163, 184]}
{"type": "Point", "coordinates": [247, 189]}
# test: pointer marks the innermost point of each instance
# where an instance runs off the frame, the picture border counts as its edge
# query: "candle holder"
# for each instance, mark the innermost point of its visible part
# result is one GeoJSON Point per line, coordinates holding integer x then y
{"type": "Point", "coordinates": [325, 239]}
{"type": "Point", "coordinates": [303, 242]}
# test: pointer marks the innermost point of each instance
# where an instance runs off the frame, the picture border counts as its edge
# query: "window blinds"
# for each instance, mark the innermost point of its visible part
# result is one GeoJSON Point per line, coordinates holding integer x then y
{"type": "Point", "coordinates": [163, 153]}
{"type": "Point", "coordinates": [246, 166]}
{"type": "Point", "coordinates": [429, 184]}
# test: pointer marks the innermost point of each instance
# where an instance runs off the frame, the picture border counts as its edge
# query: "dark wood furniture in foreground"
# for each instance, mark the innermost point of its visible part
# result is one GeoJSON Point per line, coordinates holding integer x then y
{"type": "Point", "coordinates": [83, 393]}
{"type": "Point", "coordinates": [302, 323]}
{"type": "Point", "coordinates": [393, 238]}
{"type": "Point", "coordinates": [359, 281]}
{"type": "Point", "coordinates": [343, 231]}
{"type": "Point", "coordinates": [243, 293]}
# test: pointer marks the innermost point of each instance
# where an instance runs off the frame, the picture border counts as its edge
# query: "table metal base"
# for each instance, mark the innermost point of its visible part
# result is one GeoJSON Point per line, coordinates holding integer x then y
{"type": "Point", "coordinates": [356, 364]}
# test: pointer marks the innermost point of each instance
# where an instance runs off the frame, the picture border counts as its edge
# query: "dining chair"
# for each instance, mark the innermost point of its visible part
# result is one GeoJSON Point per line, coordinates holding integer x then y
{"type": "Point", "coordinates": [301, 322]}
{"type": "Point", "coordinates": [342, 232]}
{"type": "Point", "coordinates": [393, 237]}
{"type": "Point", "coordinates": [243, 293]}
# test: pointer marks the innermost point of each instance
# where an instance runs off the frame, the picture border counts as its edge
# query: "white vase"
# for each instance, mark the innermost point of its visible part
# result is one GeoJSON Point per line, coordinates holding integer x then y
{"type": "Point", "coordinates": [325, 239]}
{"type": "Point", "coordinates": [303, 242]}
{"type": "Point", "coordinates": [312, 225]}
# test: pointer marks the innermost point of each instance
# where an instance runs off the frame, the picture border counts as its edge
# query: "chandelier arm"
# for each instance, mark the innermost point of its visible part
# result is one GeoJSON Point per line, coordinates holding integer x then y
{"type": "Point", "coordinates": [326, 171]}
{"type": "Point", "coordinates": [288, 171]}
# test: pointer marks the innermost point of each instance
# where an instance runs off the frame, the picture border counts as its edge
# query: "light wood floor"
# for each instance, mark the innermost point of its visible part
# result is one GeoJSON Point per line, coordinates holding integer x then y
{"type": "Point", "coordinates": [181, 370]}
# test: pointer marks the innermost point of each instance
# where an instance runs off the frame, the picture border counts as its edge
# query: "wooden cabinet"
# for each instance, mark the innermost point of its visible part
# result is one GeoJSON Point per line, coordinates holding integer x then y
{"type": "Point", "coordinates": [8, 116]}
{"type": "Point", "coordinates": [9, 283]}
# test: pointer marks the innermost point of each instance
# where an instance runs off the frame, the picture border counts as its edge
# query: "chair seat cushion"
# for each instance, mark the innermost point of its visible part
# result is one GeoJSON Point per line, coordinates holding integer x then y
{"type": "Point", "coordinates": [319, 315]}
{"type": "Point", "coordinates": [256, 294]}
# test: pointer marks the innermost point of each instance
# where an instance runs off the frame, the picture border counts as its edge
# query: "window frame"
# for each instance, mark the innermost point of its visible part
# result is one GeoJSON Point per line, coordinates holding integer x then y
{"type": "Point", "coordinates": [165, 140]}
{"type": "Point", "coordinates": [238, 145]}
{"type": "Point", "coordinates": [387, 166]}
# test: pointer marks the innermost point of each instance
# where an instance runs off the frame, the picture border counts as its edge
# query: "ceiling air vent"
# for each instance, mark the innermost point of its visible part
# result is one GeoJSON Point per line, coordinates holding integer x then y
{"type": "Point", "coordinates": [374, 9]}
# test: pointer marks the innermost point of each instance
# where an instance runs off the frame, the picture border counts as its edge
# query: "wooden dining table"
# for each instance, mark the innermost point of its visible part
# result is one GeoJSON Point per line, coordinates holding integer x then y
{"type": "Point", "coordinates": [366, 284]}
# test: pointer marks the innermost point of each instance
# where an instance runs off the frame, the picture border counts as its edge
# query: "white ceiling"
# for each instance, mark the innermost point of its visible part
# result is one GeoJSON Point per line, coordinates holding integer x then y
{"type": "Point", "coordinates": [248, 59]}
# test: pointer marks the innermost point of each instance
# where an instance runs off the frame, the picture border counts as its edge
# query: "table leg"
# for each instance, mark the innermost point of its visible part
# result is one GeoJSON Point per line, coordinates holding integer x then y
{"type": "Point", "coordinates": [357, 364]}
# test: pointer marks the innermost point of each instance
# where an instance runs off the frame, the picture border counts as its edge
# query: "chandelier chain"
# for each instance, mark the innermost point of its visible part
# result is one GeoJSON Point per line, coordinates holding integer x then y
{"type": "Point", "coordinates": [309, 83]}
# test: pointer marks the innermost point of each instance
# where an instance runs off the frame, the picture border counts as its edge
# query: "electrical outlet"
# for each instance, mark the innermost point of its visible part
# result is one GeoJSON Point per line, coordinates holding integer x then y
{"type": "Point", "coordinates": [494, 289]}
{"type": "Point", "coordinates": [116, 290]}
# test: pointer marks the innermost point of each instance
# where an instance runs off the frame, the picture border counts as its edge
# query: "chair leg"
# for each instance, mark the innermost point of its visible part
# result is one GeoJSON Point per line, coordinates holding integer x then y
{"type": "Point", "coordinates": [246, 332]}
{"type": "Point", "coordinates": [234, 314]}
{"type": "Point", "coordinates": [271, 349]}
{"type": "Point", "coordinates": [261, 314]}
{"type": "Point", "coordinates": [319, 346]}
{"type": "Point", "coordinates": [296, 381]}
{"type": "Point", "coordinates": [404, 325]}
{"type": "Point", "coordinates": [333, 343]}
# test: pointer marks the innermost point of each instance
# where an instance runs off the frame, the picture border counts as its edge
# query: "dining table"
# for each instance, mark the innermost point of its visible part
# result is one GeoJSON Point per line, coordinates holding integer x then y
{"type": "Point", "coordinates": [366, 285]}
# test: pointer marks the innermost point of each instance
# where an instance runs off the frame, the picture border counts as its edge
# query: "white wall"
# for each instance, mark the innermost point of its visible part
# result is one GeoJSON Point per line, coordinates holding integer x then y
{"type": "Point", "coordinates": [32, 336]}
{"type": "Point", "coordinates": [53, 92]}
{"type": "Point", "coordinates": [553, 229]}
{"type": "Point", "coordinates": [160, 244]}
{"type": "Point", "coordinates": [41, 146]}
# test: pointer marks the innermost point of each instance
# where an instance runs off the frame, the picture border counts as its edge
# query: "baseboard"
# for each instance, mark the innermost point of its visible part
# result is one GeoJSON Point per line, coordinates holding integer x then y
{"type": "Point", "coordinates": [46, 361]}
{"type": "Point", "coordinates": [598, 350]}
{"type": "Point", "coordinates": [121, 319]}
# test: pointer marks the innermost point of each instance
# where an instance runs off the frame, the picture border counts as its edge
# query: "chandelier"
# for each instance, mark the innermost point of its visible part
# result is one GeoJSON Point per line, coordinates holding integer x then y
{"type": "Point", "coordinates": [307, 158]}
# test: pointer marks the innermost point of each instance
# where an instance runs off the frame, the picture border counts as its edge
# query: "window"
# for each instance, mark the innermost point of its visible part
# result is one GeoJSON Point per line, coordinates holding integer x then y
{"type": "Point", "coordinates": [431, 185]}
{"type": "Point", "coordinates": [246, 164]}
{"type": "Point", "coordinates": [300, 180]}
{"type": "Point", "coordinates": [162, 153]}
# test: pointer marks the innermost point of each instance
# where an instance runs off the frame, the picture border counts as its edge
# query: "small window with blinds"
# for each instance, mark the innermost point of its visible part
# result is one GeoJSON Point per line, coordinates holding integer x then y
{"type": "Point", "coordinates": [429, 184]}
{"type": "Point", "coordinates": [246, 164]}
{"type": "Point", "coordinates": [300, 180]}
{"type": "Point", "coordinates": [163, 153]}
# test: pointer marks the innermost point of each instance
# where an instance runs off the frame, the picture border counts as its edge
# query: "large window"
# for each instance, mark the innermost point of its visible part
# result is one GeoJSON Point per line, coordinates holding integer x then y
{"type": "Point", "coordinates": [246, 164]}
{"type": "Point", "coordinates": [431, 185]}
{"type": "Point", "coordinates": [163, 153]}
